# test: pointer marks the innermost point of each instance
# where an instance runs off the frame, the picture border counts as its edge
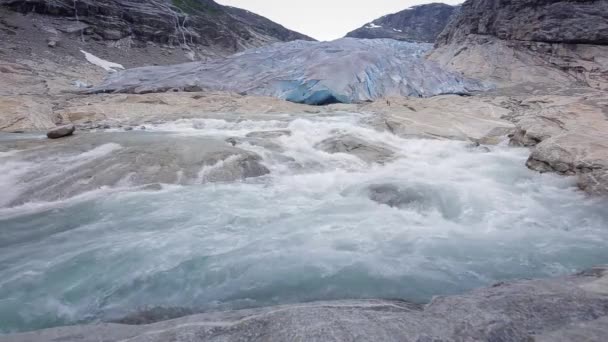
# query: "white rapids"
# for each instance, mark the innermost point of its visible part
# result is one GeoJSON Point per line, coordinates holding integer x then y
{"type": "Point", "coordinates": [437, 217]}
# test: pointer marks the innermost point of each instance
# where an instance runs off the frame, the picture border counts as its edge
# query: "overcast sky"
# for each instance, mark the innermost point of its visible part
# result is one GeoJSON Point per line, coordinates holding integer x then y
{"type": "Point", "coordinates": [325, 19]}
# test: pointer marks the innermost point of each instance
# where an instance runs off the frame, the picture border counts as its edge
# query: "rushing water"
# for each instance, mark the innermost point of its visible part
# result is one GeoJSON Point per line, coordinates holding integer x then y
{"type": "Point", "coordinates": [313, 229]}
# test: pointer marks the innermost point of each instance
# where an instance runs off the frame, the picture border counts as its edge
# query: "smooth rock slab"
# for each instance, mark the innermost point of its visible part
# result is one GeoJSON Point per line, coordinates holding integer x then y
{"type": "Point", "coordinates": [64, 169]}
{"type": "Point", "coordinates": [537, 310]}
{"type": "Point", "coordinates": [358, 147]}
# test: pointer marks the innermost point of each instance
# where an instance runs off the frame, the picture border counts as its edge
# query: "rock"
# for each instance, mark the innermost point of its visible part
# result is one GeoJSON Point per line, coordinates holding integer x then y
{"type": "Point", "coordinates": [418, 197]}
{"type": "Point", "coordinates": [559, 21]}
{"type": "Point", "coordinates": [362, 70]}
{"type": "Point", "coordinates": [364, 150]}
{"type": "Point", "coordinates": [74, 28]}
{"type": "Point", "coordinates": [262, 142]}
{"type": "Point", "coordinates": [268, 134]}
{"type": "Point", "coordinates": [112, 34]}
{"type": "Point", "coordinates": [553, 42]}
{"type": "Point", "coordinates": [421, 23]}
{"type": "Point", "coordinates": [203, 24]}
{"type": "Point", "coordinates": [134, 158]}
{"type": "Point", "coordinates": [573, 308]}
{"type": "Point", "coordinates": [52, 43]}
{"type": "Point", "coordinates": [61, 131]}
{"type": "Point", "coordinates": [442, 117]}
{"type": "Point", "coordinates": [567, 135]}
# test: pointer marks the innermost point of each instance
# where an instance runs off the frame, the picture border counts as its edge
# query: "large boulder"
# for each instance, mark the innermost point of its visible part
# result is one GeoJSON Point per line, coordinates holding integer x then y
{"type": "Point", "coordinates": [61, 131]}
{"type": "Point", "coordinates": [364, 150]}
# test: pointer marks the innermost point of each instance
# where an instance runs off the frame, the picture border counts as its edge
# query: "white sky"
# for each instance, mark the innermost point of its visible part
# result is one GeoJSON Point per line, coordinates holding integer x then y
{"type": "Point", "coordinates": [326, 19]}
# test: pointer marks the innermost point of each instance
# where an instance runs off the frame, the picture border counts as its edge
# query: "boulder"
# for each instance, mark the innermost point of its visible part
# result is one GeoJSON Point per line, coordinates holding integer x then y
{"type": "Point", "coordinates": [364, 150]}
{"type": "Point", "coordinates": [61, 131]}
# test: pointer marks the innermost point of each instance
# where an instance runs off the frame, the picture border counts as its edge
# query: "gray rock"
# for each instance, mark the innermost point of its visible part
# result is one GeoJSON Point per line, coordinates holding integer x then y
{"type": "Point", "coordinates": [558, 21]}
{"type": "Point", "coordinates": [555, 42]}
{"type": "Point", "coordinates": [52, 42]}
{"type": "Point", "coordinates": [573, 308]}
{"type": "Point", "coordinates": [360, 148]}
{"type": "Point", "coordinates": [268, 134]}
{"type": "Point", "coordinates": [90, 161]}
{"type": "Point", "coordinates": [421, 23]}
{"type": "Point", "coordinates": [419, 197]}
{"type": "Point", "coordinates": [61, 131]}
{"type": "Point", "coordinates": [201, 23]}
{"type": "Point", "coordinates": [594, 182]}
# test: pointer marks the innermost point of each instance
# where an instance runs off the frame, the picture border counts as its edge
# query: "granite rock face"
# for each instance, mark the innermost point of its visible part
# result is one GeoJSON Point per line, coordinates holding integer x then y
{"type": "Point", "coordinates": [547, 21]}
{"type": "Point", "coordinates": [417, 24]}
{"type": "Point", "coordinates": [345, 70]}
{"type": "Point", "coordinates": [571, 308]}
{"type": "Point", "coordinates": [529, 41]}
{"type": "Point", "coordinates": [194, 23]}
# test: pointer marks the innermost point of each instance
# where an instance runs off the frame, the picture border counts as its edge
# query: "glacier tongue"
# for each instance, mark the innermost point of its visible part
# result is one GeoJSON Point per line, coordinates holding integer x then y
{"type": "Point", "coordinates": [345, 70]}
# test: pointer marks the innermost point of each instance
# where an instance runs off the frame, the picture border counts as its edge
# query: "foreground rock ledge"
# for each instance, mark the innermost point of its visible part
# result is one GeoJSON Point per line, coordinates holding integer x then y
{"type": "Point", "coordinates": [573, 308]}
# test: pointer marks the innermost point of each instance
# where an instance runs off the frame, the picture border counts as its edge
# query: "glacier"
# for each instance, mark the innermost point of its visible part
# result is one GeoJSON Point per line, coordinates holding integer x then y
{"type": "Point", "coordinates": [342, 71]}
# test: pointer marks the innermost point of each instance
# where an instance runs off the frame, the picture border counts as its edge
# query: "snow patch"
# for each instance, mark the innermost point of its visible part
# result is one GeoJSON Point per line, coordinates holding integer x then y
{"type": "Point", "coordinates": [396, 30]}
{"type": "Point", "coordinates": [373, 26]}
{"type": "Point", "coordinates": [106, 65]}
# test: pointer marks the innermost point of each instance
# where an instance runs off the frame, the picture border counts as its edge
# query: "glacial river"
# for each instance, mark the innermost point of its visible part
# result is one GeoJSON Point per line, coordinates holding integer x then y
{"type": "Point", "coordinates": [436, 217]}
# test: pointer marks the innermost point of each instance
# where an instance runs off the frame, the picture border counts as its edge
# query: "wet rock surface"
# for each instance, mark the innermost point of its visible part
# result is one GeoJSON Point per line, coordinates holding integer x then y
{"type": "Point", "coordinates": [67, 168]}
{"type": "Point", "coordinates": [541, 310]}
{"type": "Point", "coordinates": [60, 132]}
{"type": "Point", "coordinates": [362, 149]}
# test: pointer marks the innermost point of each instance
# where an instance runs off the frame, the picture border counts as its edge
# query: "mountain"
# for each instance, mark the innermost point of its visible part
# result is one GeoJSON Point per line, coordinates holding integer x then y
{"type": "Point", "coordinates": [417, 24]}
{"type": "Point", "coordinates": [200, 28]}
{"type": "Point", "coordinates": [529, 41]}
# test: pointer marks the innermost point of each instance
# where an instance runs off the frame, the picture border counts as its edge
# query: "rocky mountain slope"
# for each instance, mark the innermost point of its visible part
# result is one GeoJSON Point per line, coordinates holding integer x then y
{"type": "Point", "coordinates": [551, 42]}
{"type": "Point", "coordinates": [135, 32]}
{"type": "Point", "coordinates": [417, 24]}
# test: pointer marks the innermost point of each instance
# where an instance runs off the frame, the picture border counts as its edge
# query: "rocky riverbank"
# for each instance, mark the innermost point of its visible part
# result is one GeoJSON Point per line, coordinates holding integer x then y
{"type": "Point", "coordinates": [573, 308]}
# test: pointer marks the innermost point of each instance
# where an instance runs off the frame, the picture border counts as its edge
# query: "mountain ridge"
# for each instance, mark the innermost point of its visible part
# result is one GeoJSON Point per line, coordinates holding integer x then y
{"type": "Point", "coordinates": [422, 23]}
{"type": "Point", "coordinates": [201, 28]}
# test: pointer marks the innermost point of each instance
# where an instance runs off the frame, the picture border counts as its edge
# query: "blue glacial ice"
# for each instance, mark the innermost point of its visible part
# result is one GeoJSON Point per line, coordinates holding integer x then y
{"type": "Point", "coordinates": [345, 70]}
